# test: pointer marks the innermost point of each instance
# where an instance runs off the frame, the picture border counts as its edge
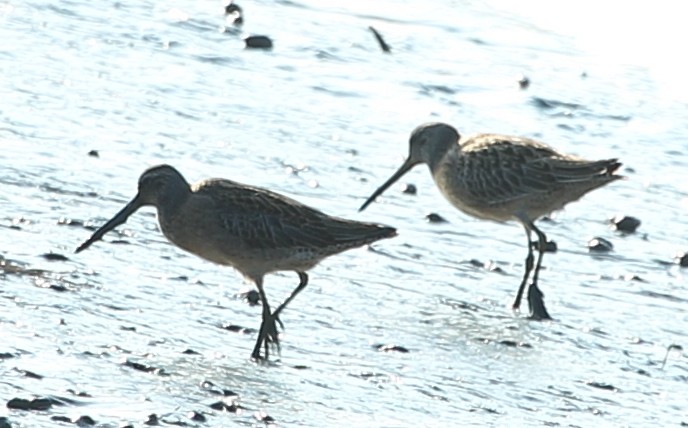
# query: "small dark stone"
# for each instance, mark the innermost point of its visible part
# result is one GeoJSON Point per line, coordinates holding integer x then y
{"type": "Point", "coordinates": [35, 404]}
{"type": "Point", "coordinates": [681, 259]}
{"type": "Point", "coordinates": [19, 403]}
{"type": "Point", "coordinates": [599, 245]}
{"type": "Point", "coordinates": [626, 224]}
{"type": "Point", "coordinates": [144, 368]}
{"type": "Point", "coordinates": [409, 189]}
{"type": "Point", "coordinates": [523, 82]}
{"type": "Point", "coordinates": [234, 14]}
{"type": "Point", "coordinates": [7, 355]}
{"type": "Point", "coordinates": [64, 221]}
{"type": "Point", "coordinates": [153, 419]}
{"type": "Point", "coordinates": [58, 287]}
{"type": "Point", "coordinates": [550, 246]}
{"type": "Point", "coordinates": [54, 257]}
{"type": "Point", "coordinates": [218, 405]}
{"type": "Point", "coordinates": [224, 407]}
{"type": "Point", "coordinates": [5, 422]}
{"type": "Point", "coordinates": [238, 329]}
{"type": "Point", "coordinates": [604, 386]}
{"type": "Point", "coordinates": [61, 419]}
{"type": "Point", "coordinates": [210, 387]}
{"type": "Point", "coordinates": [264, 417]}
{"type": "Point", "coordinates": [190, 351]}
{"type": "Point", "coordinates": [435, 218]}
{"type": "Point", "coordinates": [94, 153]}
{"type": "Point", "coordinates": [229, 393]}
{"type": "Point", "coordinates": [391, 348]}
{"type": "Point", "coordinates": [79, 393]}
{"type": "Point", "coordinates": [43, 403]}
{"type": "Point", "coordinates": [514, 344]}
{"type": "Point", "coordinates": [234, 408]}
{"type": "Point", "coordinates": [197, 416]}
{"type": "Point", "coordinates": [252, 297]}
{"type": "Point", "coordinates": [85, 421]}
{"type": "Point", "coordinates": [30, 374]}
{"type": "Point", "coordinates": [125, 328]}
{"type": "Point", "coordinates": [258, 42]}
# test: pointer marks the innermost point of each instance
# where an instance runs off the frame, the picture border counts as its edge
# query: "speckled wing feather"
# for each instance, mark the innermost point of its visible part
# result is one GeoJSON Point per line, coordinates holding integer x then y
{"type": "Point", "coordinates": [498, 169]}
{"type": "Point", "coordinates": [264, 219]}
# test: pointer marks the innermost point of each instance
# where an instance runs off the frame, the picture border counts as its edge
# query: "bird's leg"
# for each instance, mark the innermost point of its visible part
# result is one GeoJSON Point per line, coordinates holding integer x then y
{"type": "Point", "coordinates": [526, 274]}
{"type": "Point", "coordinates": [303, 281]}
{"type": "Point", "coordinates": [268, 328]}
{"type": "Point", "coordinates": [542, 243]}
{"type": "Point", "coordinates": [537, 305]}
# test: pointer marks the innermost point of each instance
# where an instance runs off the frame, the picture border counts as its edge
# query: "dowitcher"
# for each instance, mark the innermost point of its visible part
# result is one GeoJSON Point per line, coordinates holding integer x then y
{"type": "Point", "coordinates": [252, 229]}
{"type": "Point", "coordinates": [501, 178]}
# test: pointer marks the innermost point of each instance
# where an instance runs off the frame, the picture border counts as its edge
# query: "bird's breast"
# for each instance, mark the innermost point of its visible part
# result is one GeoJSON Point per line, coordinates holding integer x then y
{"type": "Point", "coordinates": [468, 193]}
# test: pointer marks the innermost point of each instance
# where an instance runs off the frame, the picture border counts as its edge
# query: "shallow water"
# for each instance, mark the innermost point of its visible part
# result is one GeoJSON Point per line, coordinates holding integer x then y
{"type": "Point", "coordinates": [133, 327]}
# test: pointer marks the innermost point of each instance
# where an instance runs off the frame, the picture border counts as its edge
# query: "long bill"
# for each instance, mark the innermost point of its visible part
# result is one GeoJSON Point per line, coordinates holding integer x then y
{"type": "Point", "coordinates": [408, 164]}
{"type": "Point", "coordinates": [118, 219]}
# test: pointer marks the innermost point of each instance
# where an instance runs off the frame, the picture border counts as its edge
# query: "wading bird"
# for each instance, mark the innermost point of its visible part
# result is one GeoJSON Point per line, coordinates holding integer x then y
{"type": "Point", "coordinates": [501, 178]}
{"type": "Point", "coordinates": [252, 229]}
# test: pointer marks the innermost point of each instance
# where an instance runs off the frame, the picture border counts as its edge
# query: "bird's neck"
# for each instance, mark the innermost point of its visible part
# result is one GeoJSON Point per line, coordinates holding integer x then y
{"type": "Point", "coordinates": [448, 156]}
{"type": "Point", "coordinates": [173, 199]}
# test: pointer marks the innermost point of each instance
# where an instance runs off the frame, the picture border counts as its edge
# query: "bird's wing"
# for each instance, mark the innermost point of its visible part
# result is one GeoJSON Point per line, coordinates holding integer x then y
{"type": "Point", "coordinates": [264, 219]}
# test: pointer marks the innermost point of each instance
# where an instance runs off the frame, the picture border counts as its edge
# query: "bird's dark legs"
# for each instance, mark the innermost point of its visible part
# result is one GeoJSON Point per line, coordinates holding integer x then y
{"type": "Point", "coordinates": [535, 302]}
{"type": "Point", "coordinates": [529, 268]}
{"type": "Point", "coordinates": [542, 243]}
{"type": "Point", "coordinates": [537, 305]}
{"type": "Point", "coordinates": [268, 328]}
{"type": "Point", "coordinates": [303, 281]}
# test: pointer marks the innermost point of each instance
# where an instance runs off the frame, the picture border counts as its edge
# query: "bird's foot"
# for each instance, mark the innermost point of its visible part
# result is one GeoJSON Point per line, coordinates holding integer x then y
{"type": "Point", "coordinates": [268, 337]}
{"type": "Point", "coordinates": [538, 312]}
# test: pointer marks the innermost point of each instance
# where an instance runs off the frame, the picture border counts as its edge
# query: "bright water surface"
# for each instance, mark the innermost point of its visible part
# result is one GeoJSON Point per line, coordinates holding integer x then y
{"type": "Point", "coordinates": [325, 117]}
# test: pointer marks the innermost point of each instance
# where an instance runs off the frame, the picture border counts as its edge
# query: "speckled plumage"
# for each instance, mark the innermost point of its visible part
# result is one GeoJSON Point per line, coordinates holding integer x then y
{"type": "Point", "coordinates": [252, 229]}
{"type": "Point", "coordinates": [500, 178]}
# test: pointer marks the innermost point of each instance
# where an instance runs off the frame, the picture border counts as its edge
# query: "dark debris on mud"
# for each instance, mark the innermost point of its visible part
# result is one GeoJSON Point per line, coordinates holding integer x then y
{"type": "Point", "coordinates": [145, 368]}
{"type": "Point", "coordinates": [504, 342]}
{"type": "Point", "coordinates": [550, 246]}
{"type": "Point", "coordinates": [228, 403]}
{"type": "Point", "coordinates": [238, 329]}
{"type": "Point", "coordinates": [600, 245]}
{"type": "Point", "coordinates": [380, 40]}
{"type": "Point", "coordinates": [41, 278]}
{"type": "Point", "coordinates": [252, 297]}
{"type": "Point", "coordinates": [625, 224]}
{"type": "Point", "coordinates": [391, 348]}
{"type": "Point", "coordinates": [603, 386]}
{"type": "Point", "coordinates": [435, 218]}
{"type": "Point", "coordinates": [490, 266]}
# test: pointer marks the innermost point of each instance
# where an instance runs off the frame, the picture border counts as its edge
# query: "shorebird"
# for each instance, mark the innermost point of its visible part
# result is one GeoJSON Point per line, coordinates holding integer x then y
{"type": "Point", "coordinates": [501, 178]}
{"type": "Point", "coordinates": [254, 230]}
